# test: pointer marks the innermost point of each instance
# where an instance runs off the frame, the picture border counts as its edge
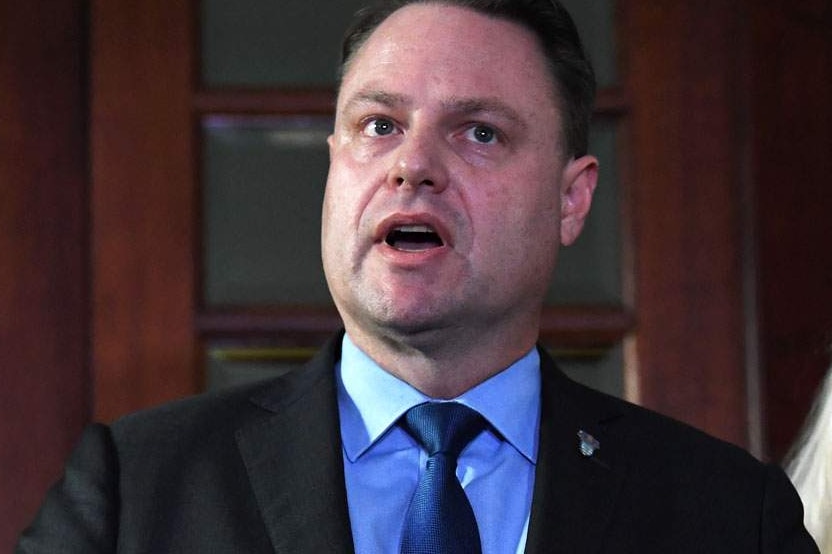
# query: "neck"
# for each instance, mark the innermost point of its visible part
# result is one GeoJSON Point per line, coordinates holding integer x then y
{"type": "Point", "coordinates": [444, 363]}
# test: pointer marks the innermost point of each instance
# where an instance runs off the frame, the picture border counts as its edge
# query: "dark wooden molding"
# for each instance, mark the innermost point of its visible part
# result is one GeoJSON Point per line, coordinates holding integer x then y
{"type": "Point", "coordinates": [265, 101]}
{"type": "Point", "coordinates": [44, 323]}
{"type": "Point", "coordinates": [295, 326]}
{"type": "Point", "coordinates": [612, 102]}
{"type": "Point", "coordinates": [585, 328]}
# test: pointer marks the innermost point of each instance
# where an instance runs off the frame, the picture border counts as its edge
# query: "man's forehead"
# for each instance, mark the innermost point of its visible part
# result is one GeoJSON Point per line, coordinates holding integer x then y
{"type": "Point", "coordinates": [464, 46]}
{"type": "Point", "coordinates": [464, 31]}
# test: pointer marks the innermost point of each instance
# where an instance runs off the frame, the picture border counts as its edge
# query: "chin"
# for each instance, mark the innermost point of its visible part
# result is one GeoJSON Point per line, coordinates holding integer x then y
{"type": "Point", "coordinates": [411, 325]}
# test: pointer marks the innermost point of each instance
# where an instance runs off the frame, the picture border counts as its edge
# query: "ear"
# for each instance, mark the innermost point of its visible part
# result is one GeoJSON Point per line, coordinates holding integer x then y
{"type": "Point", "coordinates": [580, 176]}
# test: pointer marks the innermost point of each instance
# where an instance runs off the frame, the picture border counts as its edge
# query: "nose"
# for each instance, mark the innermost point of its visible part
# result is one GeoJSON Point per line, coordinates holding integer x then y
{"type": "Point", "coordinates": [418, 162]}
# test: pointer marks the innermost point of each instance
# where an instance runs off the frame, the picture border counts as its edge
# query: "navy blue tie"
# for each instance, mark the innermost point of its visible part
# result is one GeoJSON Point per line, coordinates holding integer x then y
{"type": "Point", "coordinates": [440, 519]}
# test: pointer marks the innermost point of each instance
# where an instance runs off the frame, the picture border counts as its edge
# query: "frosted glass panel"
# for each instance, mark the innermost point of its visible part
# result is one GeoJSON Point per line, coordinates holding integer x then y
{"type": "Point", "coordinates": [273, 42]}
{"type": "Point", "coordinates": [263, 187]}
{"type": "Point", "coordinates": [264, 43]}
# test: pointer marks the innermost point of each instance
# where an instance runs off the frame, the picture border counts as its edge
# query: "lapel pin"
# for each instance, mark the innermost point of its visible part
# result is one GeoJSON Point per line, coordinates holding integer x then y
{"type": "Point", "coordinates": [589, 444]}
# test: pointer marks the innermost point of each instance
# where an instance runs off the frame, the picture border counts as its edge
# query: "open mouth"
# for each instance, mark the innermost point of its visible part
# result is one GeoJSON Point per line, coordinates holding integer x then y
{"type": "Point", "coordinates": [413, 238]}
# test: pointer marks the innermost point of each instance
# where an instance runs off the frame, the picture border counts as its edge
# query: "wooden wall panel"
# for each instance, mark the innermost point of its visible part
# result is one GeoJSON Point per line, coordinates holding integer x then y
{"type": "Point", "coordinates": [685, 193]}
{"type": "Point", "coordinates": [791, 83]}
{"type": "Point", "coordinates": [44, 399]}
{"type": "Point", "coordinates": [143, 204]}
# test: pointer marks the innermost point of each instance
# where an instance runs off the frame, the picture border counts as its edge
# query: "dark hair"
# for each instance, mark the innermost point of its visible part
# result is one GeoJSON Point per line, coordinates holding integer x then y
{"type": "Point", "coordinates": [570, 68]}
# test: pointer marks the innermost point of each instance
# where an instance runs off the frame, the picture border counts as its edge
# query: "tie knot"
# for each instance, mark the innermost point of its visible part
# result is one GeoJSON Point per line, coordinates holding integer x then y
{"type": "Point", "coordinates": [445, 427]}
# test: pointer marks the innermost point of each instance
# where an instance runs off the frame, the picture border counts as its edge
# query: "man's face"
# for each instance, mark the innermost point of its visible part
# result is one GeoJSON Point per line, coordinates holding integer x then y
{"type": "Point", "coordinates": [446, 187]}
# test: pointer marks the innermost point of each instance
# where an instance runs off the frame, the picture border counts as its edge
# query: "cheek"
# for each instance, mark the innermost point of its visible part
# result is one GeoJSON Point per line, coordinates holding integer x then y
{"type": "Point", "coordinates": [329, 230]}
{"type": "Point", "coordinates": [520, 226]}
{"type": "Point", "coordinates": [336, 210]}
{"type": "Point", "coordinates": [342, 189]}
{"type": "Point", "coordinates": [526, 203]}
{"type": "Point", "coordinates": [327, 216]}
{"type": "Point", "coordinates": [347, 195]}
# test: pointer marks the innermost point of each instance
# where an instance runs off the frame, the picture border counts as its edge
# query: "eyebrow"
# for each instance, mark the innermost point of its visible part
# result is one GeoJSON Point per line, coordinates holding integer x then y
{"type": "Point", "coordinates": [387, 99]}
{"type": "Point", "coordinates": [473, 106]}
{"type": "Point", "coordinates": [463, 106]}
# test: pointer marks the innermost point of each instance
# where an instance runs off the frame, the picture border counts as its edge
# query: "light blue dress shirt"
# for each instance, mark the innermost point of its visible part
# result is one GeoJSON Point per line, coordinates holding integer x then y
{"type": "Point", "coordinates": [382, 462]}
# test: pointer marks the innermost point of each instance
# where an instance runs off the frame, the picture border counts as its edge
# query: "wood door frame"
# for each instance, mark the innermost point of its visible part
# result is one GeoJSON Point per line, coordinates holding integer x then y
{"type": "Point", "coordinates": [44, 325]}
{"type": "Point", "coordinates": [790, 74]}
{"type": "Point", "coordinates": [144, 204]}
{"type": "Point", "coordinates": [686, 194]}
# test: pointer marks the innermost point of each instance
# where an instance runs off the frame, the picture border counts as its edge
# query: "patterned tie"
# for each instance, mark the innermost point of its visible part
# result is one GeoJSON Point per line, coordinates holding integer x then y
{"type": "Point", "coordinates": [440, 519]}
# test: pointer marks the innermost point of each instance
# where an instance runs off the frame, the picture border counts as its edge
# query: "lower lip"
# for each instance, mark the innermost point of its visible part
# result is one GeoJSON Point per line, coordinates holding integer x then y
{"type": "Point", "coordinates": [410, 258]}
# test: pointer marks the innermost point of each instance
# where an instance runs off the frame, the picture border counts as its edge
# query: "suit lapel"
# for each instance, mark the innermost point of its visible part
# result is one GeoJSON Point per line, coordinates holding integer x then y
{"type": "Point", "coordinates": [574, 495]}
{"type": "Point", "coordinates": [294, 460]}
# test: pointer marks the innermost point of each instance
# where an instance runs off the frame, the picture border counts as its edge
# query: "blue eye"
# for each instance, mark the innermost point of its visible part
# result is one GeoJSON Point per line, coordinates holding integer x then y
{"type": "Point", "coordinates": [482, 134]}
{"type": "Point", "coordinates": [379, 127]}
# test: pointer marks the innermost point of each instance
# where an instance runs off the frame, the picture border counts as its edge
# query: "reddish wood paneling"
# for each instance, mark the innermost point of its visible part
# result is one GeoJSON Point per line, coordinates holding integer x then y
{"type": "Point", "coordinates": [44, 399]}
{"type": "Point", "coordinates": [143, 204]}
{"type": "Point", "coordinates": [791, 83]}
{"type": "Point", "coordinates": [680, 61]}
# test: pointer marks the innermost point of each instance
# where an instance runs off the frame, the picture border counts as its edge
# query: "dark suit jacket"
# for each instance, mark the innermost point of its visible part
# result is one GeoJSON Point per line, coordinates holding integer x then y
{"type": "Point", "coordinates": [260, 469]}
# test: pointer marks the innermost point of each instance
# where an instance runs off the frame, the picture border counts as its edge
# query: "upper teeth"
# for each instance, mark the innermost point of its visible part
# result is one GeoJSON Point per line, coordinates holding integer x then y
{"type": "Point", "coordinates": [414, 229]}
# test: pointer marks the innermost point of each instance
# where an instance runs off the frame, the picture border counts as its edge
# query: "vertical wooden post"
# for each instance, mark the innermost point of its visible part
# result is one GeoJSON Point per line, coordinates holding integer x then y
{"type": "Point", "coordinates": [685, 198]}
{"type": "Point", "coordinates": [44, 383]}
{"type": "Point", "coordinates": [143, 204]}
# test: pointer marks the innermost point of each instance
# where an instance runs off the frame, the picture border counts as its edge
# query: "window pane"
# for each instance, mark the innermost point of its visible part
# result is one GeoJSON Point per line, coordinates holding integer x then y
{"type": "Point", "coordinates": [263, 187]}
{"type": "Point", "coordinates": [273, 43]}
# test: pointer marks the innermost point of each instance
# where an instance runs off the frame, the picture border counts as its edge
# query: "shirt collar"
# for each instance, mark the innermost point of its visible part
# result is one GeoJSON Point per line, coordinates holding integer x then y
{"type": "Point", "coordinates": [371, 400]}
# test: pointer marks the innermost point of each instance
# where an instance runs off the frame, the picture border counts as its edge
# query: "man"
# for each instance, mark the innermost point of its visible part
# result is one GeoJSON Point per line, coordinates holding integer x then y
{"type": "Point", "coordinates": [458, 167]}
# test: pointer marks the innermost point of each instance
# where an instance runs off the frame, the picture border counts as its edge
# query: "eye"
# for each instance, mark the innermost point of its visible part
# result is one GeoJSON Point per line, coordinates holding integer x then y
{"type": "Point", "coordinates": [482, 134]}
{"type": "Point", "coordinates": [379, 127]}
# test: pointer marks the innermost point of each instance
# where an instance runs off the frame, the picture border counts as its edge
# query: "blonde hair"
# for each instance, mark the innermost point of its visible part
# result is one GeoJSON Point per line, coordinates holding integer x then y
{"type": "Point", "coordinates": [809, 466]}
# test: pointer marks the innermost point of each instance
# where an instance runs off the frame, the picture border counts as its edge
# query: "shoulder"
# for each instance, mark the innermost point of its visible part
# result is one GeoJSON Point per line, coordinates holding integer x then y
{"type": "Point", "coordinates": [221, 412]}
{"type": "Point", "coordinates": [629, 429]}
{"type": "Point", "coordinates": [659, 440]}
{"type": "Point", "coordinates": [655, 452]}
{"type": "Point", "coordinates": [194, 414]}
{"type": "Point", "coordinates": [688, 482]}
{"type": "Point", "coordinates": [209, 424]}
